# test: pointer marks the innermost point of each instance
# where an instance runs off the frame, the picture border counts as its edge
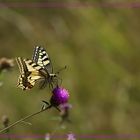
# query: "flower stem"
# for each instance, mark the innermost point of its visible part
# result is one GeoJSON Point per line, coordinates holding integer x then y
{"type": "Point", "coordinates": [25, 118]}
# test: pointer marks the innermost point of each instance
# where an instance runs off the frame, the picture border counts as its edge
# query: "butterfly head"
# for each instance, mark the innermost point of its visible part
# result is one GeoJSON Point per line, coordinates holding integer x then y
{"type": "Point", "coordinates": [55, 79]}
{"type": "Point", "coordinates": [53, 75]}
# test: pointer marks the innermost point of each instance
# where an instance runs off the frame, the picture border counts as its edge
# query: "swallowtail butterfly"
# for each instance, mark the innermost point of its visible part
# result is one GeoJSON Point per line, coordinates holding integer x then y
{"type": "Point", "coordinates": [37, 69]}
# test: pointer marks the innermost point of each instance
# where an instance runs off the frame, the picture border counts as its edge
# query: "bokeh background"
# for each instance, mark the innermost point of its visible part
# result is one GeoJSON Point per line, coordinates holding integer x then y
{"type": "Point", "coordinates": [100, 47]}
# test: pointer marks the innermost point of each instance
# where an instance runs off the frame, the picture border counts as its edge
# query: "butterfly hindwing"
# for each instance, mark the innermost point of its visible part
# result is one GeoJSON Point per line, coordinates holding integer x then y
{"type": "Point", "coordinates": [24, 73]}
{"type": "Point", "coordinates": [30, 73]}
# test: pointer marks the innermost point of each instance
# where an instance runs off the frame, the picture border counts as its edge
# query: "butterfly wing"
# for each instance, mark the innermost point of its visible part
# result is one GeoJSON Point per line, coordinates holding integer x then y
{"type": "Point", "coordinates": [30, 73]}
{"type": "Point", "coordinates": [41, 58]}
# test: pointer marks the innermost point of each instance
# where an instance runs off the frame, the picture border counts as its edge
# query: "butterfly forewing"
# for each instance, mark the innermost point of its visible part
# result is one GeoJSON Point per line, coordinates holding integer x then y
{"type": "Point", "coordinates": [41, 58]}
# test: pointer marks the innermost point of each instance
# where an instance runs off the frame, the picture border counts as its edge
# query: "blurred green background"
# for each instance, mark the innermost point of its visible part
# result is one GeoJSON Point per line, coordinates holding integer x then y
{"type": "Point", "coordinates": [100, 47]}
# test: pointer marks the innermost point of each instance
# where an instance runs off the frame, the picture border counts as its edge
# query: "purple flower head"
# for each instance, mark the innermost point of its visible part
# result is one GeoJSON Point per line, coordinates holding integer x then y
{"type": "Point", "coordinates": [47, 136]}
{"type": "Point", "coordinates": [71, 137]}
{"type": "Point", "coordinates": [65, 106]}
{"type": "Point", "coordinates": [60, 96]}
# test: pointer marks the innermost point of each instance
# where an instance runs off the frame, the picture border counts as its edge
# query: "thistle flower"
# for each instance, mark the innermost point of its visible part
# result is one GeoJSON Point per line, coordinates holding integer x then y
{"type": "Point", "coordinates": [5, 120]}
{"type": "Point", "coordinates": [71, 137]}
{"type": "Point", "coordinates": [6, 64]}
{"type": "Point", "coordinates": [47, 136]}
{"type": "Point", "coordinates": [65, 106]}
{"type": "Point", "coordinates": [65, 112]}
{"type": "Point", "coordinates": [60, 96]}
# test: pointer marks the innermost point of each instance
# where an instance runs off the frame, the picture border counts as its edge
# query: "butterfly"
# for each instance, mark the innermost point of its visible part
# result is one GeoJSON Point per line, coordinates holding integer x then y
{"type": "Point", "coordinates": [38, 69]}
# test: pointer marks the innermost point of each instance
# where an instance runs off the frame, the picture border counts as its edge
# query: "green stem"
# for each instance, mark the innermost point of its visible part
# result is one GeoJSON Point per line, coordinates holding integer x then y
{"type": "Point", "coordinates": [25, 118]}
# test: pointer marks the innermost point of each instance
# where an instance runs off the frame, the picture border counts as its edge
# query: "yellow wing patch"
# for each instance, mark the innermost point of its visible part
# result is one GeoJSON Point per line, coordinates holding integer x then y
{"type": "Point", "coordinates": [29, 73]}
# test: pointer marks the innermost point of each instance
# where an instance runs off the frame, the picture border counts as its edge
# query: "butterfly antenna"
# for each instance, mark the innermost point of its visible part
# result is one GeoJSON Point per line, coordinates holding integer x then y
{"type": "Point", "coordinates": [60, 80]}
{"type": "Point", "coordinates": [63, 68]}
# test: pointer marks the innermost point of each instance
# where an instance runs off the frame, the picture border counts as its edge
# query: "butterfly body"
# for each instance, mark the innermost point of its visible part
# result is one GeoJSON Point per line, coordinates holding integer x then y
{"type": "Point", "coordinates": [37, 69]}
{"type": "Point", "coordinates": [48, 79]}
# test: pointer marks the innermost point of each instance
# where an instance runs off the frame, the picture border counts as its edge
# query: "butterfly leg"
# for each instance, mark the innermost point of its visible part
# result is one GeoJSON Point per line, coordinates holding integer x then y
{"type": "Point", "coordinates": [51, 86]}
{"type": "Point", "coordinates": [43, 84]}
{"type": "Point", "coordinates": [57, 81]}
